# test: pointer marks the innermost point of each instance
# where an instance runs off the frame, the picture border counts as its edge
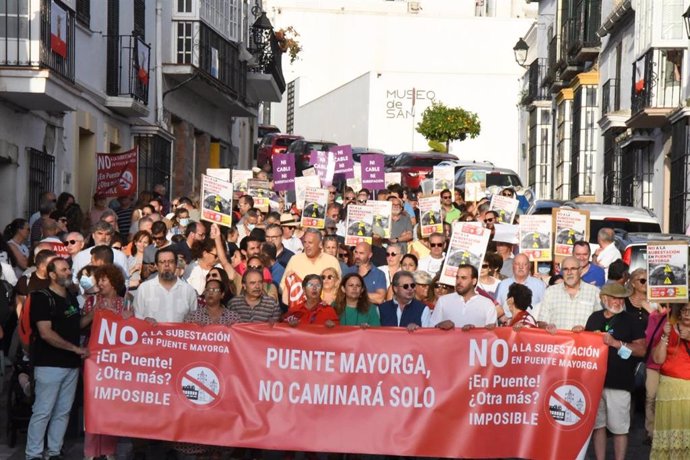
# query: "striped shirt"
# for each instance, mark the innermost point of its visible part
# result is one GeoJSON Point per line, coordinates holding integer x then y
{"type": "Point", "coordinates": [566, 312]}
{"type": "Point", "coordinates": [266, 310]}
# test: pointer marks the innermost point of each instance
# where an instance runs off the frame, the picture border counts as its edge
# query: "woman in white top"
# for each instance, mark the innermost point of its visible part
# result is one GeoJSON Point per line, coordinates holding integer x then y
{"type": "Point", "coordinates": [139, 242]}
{"type": "Point", "coordinates": [205, 256]}
{"type": "Point", "coordinates": [487, 276]}
{"type": "Point", "coordinates": [393, 257]}
{"type": "Point", "coordinates": [17, 235]}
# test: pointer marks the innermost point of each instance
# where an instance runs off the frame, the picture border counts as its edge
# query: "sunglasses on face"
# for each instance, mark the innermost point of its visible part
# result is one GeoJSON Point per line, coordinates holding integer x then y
{"type": "Point", "coordinates": [642, 280]}
{"type": "Point", "coordinates": [342, 255]}
{"type": "Point", "coordinates": [446, 197]}
{"type": "Point", "coordinates": [391, 254]}
{"type": "Point", "coordinates": [439, 286]}
{"type": "Point", "coordinates": [489, 220]}
{"type": "Point", "coordinates": [158, 238]}
{"type": "Point", "coordinates": [70, 242]}
{"type": "Point", "coordinates": [330, 277]}
{"type": "Point", "coordinates": [485, 265]}
{"type": "Point", "coordinates": [255, 267]}
{"type": "Point", "coordinates": [436, 245]}
{"type": "Point", "coordinates": [213, 290]}
{"type": "Point", "coordinates": [408, 285]}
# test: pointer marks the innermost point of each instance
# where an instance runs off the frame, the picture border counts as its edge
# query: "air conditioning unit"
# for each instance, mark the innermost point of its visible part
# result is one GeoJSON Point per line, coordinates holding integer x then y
{"type": "Point", "coordinates": [414, 7]}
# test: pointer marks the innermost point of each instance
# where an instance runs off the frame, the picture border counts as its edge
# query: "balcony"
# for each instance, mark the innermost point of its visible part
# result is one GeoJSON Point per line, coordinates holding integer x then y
{"type": "Point", "coordinates": [535, 77]}
{"type": "Point", "coordinates": [552, 79]}
{"type": "Point", "coordinates": [656, 87]}
{"type": "Point", "coordinates": [584, 43]}
{"type": "Point", "coordinates": [611, 114]}
{"type": "Point", "coordinates": [129, 64]}
{"type": "Point", "coordinates": [265, 81]}
{"type": "Point", "coordinates": [37, 56]}
{"type": "Point", "coordinates": [209, 66]}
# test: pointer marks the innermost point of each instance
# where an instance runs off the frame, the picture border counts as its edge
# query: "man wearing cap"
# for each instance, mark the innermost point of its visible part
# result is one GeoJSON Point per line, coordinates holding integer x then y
{"type": "Point", "coordinates": [568, 305]}
{"type": "Point", "coordinates": [423, 281]}
{"type": "Point", "coordinates": [464, 307]}
{"type": "Point", "coordinates": [289, 223]}
{"type": "Point", "coordinates": [625, 338]}
{"type": "Point", "coordinates": [404, 310]}
{"type": "Point", "coordinates": [374, 278]}
{"type": "Point", "coordinates": [521, 275]}
{"type": "Point", "coordinates": [312, 260]}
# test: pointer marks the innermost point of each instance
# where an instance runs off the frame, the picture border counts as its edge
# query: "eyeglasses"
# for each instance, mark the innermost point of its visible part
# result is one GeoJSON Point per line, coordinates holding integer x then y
{"type": "Point", "coordinates": [330, 277]}
{"type": "Point", "coordinates": [489, 220]}
{"type": "Point", "coordinates": [62, 219]}
{"type": "Point", "coordinates": [331, 193]}
{"type": "Point", "coordinates": [167, 262]}
{"type": "Point", "coordinates": [436, 245]}
{"type": "Point", "coordinates": [70, 242]}
{"type": "Point", "coordinates": [485, 265]}
{"type": "Point", "coordinates": [447, 197]}
{"type": "Point", "coordinates": [507, 194]}
{"type": "Point", "coordinates": [439, 286]}
{"type": "Point", "coordinates": [214, 290]}
{"type": "Point", "coordinates": [274, 236]}
{"type": "Point", "coordinates": [569, 269]}
{"type": "Point", "coordinates": [255, 267]}
{"type": "Point", "coordinates": [116, 247]}
{"type": "Point", "coordinates": [408, 285]}
{"type": "Point", "coordinates": [361, 201]}
{"type": "Point", "coordinates": [214, 254]}
{"type": "Point", "coordinates": [642, 280]}
{"type": "Point", "coordinates": [685, 311]}
{"type": "Point", "coordinates": [349, 198]}
{"type": "Point", "coordinates": [342, 255]}
{"type": "Point", "coordinates": [391, 254]}
{"type": "Point", "coordinates": [158, 238]}
{"type": "Point", "coordinates": [314, 285]}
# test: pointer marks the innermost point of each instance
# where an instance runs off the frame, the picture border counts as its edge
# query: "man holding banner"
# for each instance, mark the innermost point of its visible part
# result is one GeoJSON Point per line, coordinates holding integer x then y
{"type": "Point", "coordinates": [464, 307]}
{"type": "Point", "coordinates": [404, 310]}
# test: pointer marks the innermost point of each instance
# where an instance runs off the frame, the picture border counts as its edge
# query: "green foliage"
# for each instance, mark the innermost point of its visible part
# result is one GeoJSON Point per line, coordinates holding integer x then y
{"type": "Point", "coordinates": [445, 124]}
{"type": "Point", "coordinates": [437, 146]}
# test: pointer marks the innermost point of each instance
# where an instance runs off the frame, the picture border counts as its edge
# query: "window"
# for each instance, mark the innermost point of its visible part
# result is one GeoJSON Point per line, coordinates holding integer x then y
{"type": "Point", "coordinates": [612, 168]}
{"type": "Point", "coordinates": [224, 16]}
{"type": "Point", "coordinates": [140, 18]}
{"type": "Point", "coordinates": [184, 6]}
{"type": "Point", "coordinates": [184, 42]}
{"type": "Point", "coordinates": [679, 205]}
{"type": "Point", "coordinates": [154, 161]}
{"type": "Point", "coordinates": [584, 141]}
{"type": "Point", "coordinates": [672, 27]}
{"type": "Point", "coordinates": [637, 173]}
{"type": "Point", "coordinates": [41, 171]}
{"type": "Point", "coordinates": [14, 19]}
{"type": "Point", "coordinates": [84, 13]}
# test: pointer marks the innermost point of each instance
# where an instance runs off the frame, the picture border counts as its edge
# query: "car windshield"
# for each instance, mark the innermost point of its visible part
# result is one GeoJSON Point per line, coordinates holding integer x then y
{"type": "Point", "coordinates": [284, 141]}
{"type": "Point", "coordinates": [596, 225]}
{"type": "Point", "coordinates": [502, 180]}
{"type": "Point", "coordinates": [417, 161]}
{"type": "Point", "coordinates": [321, 146]}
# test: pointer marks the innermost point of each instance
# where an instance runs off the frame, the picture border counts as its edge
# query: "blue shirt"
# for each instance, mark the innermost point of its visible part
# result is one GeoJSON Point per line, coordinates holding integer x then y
{"type": "Point", "coordinates": [374, 280]}
{"type": "Point", "coordinates": [535, 285]}
{"type": "Point", "coordinates": [595, 275]}
{"type": "Point", "coordinates": [277, 272]}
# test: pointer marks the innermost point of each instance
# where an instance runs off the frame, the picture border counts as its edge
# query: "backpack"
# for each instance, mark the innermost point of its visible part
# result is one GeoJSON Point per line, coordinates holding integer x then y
{"type": "Point", "coordinates": [25, 328]}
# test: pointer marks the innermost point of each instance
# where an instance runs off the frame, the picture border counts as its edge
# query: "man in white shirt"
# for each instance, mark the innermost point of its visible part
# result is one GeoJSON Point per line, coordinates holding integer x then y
{"type": "Point", "coordinates": [521, 275]}
{"type": "Point", "coordinates": [289, 223]}
{"type": "Point", "coordinates": [607, 252]}
{"type": "Point", "coordinates": [464, 307]}
{"type": "Point", "coordinates": [102, 235]}
{"type": "Point", "coordinates": [165, 298]}
{"type": "Point", "coordinates": [434, 261]}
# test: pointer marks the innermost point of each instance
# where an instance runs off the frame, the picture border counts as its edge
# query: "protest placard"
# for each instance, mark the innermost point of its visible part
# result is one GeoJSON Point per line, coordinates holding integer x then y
{"type": "Point", "coordinates": [667, 271]}
{"type": "Point", "coordinates": [343, 160]}
{"type": "Point", "coordinates": [475, 185]}
{"type": "Point", "coordinates": [284, 172]}
{"type": "Point", "coordinates": [505, 207]}
{"type": "Point", "coordinates": [260, 190]}
{"type": "Point", "coordinates": [355, 182]}
{"type": "Point", "coordinates": [315, 202]}
{"type": "Point", "coordinates": [569, 226]}
{"type": "Point", "coordinates": [215, 385]}
{"type": "Point", "coordinates": [216, 200]}
{"type": "Point", "coordinates": [430, 215]}
{"type": "Point", "coordinates": [220, 173]}
{"type": "Point", "coordinates": [359, 223]}
{"type": "Point", "coordinates": [301, 185]}
{"type": "Point", "coordinates": [382, 217]}
{"type": "Point", "coordinates": [444, 178]}
{"type": "Point", "coordinates": [324, 164]}
{"type": "Point", "coordinates": [536, 239]}
{"type": "Point", "coordinates": [117, 173]}
{"type": "Point", "coordinates": [373, 174]}
{"type": "Point", "coordinates": [467, 246]}
{"type": "Point", "coordinates": [240, 178]}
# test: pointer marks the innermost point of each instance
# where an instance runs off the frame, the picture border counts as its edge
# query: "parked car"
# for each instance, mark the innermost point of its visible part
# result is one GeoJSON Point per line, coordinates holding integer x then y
{"type": "Point", "coordinates": [261, 133]}
{"type": "Point", "coordinates": [623, 219]}
{"type": "Point", "coordinates": [302, 149]}
{"type": "Point", "coordinates": [633, 245]}
{"type": "Point", "coordinates": [417, 166]}
{"type": "Point", "coordinates": [272, 145]}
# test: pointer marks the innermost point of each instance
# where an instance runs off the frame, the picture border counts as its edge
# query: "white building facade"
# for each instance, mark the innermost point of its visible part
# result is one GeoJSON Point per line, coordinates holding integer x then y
{"type": "Point", "coordinates": [369, 68]}
{"type": "Point", "coordinates": [79, 77]}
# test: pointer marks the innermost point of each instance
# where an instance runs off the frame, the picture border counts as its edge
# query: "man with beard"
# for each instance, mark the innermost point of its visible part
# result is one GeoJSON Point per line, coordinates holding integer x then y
{"type": "Point", "coordinates": [56, 356]}
{"type": "Point", "coordinates": [625, 338]}
{"type": "Point", "coordinates": [464, 307]}
{"type": "Point", "coordinates": [568, 305]}
{"type": "Point", "coordinates": [165, 298]}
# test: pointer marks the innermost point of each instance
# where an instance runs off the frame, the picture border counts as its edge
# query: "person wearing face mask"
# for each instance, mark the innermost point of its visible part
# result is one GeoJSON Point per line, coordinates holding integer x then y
{"type": "Point", "coordinates": [180, 222]}
{"type": "Point", "coordinates": [625, 338]}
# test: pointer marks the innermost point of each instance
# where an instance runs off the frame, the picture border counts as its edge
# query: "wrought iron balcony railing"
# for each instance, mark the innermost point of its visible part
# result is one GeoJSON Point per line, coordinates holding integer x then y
{"type": "Point", "coordinates": [44, 40]}
{"type": "Point", "coordinates": [535, 76]}
{"type": "Point", "coordinates": [128, 72]}
{"type": "Point", "coordinates": [611, 96]}
{"type": "Point", "coordinates": [656, 80]}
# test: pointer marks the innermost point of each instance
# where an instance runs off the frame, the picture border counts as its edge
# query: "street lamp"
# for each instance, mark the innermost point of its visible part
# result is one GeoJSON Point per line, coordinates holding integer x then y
{"type": "Point", "coordinates": [520, 50]}
{"type": "Point", "coordinates": [686, 19]}
{"type": "Point", "coordinates": [261, 32]}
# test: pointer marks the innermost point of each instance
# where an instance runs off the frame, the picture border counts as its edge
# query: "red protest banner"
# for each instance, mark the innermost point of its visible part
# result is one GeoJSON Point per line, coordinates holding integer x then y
{"type": "Point", "coordinates": [116, 173]}
{"type": "Point", "coordinates": [429, 393]}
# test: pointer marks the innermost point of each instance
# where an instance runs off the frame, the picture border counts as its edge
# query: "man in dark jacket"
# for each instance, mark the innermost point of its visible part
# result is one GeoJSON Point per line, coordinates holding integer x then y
{"type": "Point", "coordinates": [404, 310]}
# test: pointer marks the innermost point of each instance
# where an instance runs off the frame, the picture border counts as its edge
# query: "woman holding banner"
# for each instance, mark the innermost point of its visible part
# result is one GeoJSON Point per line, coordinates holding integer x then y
{"type": "Point", "coordinates": [672, 419]}
{"type": "Point", "coordinates": [352, 304]}
{"type": "Point", "coordinates": [312, 310]}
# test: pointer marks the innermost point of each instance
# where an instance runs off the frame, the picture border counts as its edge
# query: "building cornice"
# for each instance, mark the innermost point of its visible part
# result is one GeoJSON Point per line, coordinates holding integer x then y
{"type": "Point", "coordinates": [566, 94]}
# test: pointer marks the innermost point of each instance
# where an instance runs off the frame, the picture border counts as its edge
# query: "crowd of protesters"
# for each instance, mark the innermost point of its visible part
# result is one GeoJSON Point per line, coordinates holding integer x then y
{"type": "Point", "coordinates": [157, 260]}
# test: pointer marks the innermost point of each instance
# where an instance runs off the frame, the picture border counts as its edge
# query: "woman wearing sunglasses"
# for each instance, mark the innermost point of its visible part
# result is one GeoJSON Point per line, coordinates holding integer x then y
{"type": "Point", "coordinates": [637, 304]}
{"type": "Point", "coordinates": [331, 283]}
{"type": "Point", "coordinates": [393, 259]}
{"type": "Point", "coordinates": [313, 310]}
{"type": "Point", "coordinates": [352, 304]}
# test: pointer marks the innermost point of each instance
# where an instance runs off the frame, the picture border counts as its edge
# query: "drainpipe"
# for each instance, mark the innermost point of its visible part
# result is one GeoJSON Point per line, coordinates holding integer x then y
{"type": "Point", "coordinates": [159, 64]}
